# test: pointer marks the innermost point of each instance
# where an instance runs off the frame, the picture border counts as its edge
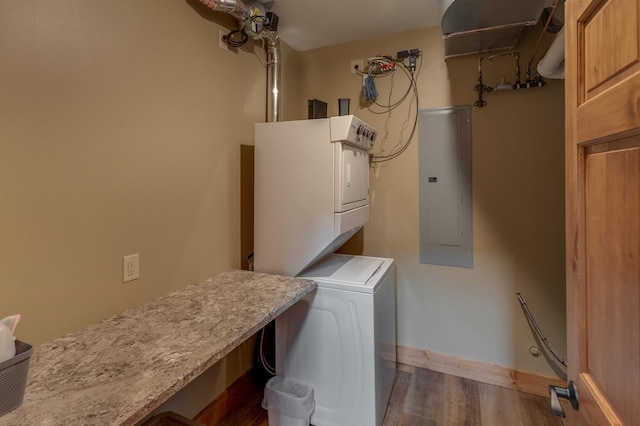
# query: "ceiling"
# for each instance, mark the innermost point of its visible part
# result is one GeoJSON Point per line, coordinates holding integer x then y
{"type": "Point", "coordinates": [309, 24]}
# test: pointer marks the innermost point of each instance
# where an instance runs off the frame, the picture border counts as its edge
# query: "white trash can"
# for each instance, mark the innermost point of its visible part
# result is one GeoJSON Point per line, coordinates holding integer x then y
{"type": "Point", "coordinates": [289, 403]}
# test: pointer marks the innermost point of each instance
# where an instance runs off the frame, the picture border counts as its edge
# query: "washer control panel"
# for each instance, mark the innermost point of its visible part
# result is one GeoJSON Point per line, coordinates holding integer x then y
{"type": "Point", "coordinates": [351, 130]}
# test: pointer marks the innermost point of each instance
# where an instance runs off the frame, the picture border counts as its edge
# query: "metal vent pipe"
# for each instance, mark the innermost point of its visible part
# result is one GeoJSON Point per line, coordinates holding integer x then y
{"type": "Point", "coordinates": [242, 12]}
{"type": "Point", "coordinates": [273, 77]}
{"type": "Point", "coordinates": [235, 8]}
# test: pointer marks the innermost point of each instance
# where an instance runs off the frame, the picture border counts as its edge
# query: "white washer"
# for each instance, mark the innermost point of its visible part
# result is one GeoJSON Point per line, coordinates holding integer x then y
{"type": "Point", "coordinates": [341, 339]}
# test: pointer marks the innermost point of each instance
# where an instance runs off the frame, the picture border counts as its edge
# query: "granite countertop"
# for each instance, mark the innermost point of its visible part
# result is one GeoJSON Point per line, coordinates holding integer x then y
{"type": "Point", "coordinates": [118, 370]}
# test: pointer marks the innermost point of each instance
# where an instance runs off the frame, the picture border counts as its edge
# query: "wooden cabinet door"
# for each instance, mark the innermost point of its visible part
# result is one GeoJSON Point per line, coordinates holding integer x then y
{"type": "Point", "coordinates": [603, 208]}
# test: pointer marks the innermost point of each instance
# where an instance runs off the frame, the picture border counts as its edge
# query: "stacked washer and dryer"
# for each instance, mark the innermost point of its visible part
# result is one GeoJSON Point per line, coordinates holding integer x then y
{"type": "Point", "coordinates": [311, 196]}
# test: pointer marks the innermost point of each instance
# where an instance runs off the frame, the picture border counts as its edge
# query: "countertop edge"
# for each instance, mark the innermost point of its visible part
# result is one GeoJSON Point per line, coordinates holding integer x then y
{"type": "Point", "coordinates": [118, 370]}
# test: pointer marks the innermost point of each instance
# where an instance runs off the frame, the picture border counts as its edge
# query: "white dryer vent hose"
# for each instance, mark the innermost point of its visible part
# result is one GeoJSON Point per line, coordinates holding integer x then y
{"type": "Point", "coordinates": [552, 64]}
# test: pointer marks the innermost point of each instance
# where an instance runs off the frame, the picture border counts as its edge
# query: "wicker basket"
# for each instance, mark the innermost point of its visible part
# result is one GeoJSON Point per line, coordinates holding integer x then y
{"type": "Point", "coordinates": [13, 378]}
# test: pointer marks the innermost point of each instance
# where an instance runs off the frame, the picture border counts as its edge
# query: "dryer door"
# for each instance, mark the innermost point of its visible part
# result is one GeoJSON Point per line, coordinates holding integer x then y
{"type": "Point", "coordinates": [351, 177]}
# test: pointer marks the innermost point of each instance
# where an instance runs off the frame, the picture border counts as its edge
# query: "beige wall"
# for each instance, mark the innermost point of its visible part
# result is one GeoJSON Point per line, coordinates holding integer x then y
{"type": "Point", "coordinates": [518, 202]}
{"type": "Point", "coordinates": [121, 130]}
{"type": "Point", "coordinates": [121, 124]}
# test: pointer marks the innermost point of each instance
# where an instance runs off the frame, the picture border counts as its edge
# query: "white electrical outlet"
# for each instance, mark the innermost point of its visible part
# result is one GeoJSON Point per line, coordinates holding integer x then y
{"type": "Point", "coordinates": [359, 63]}
{"type": "Point", "coordinates": [130, 267]}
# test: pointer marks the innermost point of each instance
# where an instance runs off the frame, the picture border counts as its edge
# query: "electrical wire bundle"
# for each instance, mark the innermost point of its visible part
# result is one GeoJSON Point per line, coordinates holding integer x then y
{"type": "Point", "coordinates": [376, 66]}
{"type": "Point", "coordinates": [369, 90]}
{"type": "Point", "coordinates": [382, 66]}
{"type": "Point", "coordinates": [232, 38]}
{"type": "Point", "coordinates": [257, 23]}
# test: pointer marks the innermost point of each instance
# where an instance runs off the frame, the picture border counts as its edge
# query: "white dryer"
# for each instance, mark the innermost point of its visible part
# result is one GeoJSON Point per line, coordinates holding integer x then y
{"type": "Point", "coordinates": [311, 190]}
{"type": "Point", "coordinates": [341, 339]}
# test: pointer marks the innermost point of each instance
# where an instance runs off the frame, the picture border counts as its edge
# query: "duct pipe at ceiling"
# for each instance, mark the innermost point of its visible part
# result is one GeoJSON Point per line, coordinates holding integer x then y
{"type": "Point", "coordinates": [243, 12]}
{"type": "Point", "coordinates": [235, 8]}
{"type": "Point", "coordinates": [473, 26]}
{"type": "Point", "coordinates": [552, 64]}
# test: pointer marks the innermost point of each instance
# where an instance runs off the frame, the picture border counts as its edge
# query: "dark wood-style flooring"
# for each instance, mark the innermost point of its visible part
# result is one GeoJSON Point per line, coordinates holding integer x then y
{"type": "Point", "coordinates": [424, 397]}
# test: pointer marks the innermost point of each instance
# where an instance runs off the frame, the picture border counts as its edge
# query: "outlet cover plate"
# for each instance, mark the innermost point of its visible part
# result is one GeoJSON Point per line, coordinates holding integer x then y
{"type": "Point", "coordinates": [130, 267]}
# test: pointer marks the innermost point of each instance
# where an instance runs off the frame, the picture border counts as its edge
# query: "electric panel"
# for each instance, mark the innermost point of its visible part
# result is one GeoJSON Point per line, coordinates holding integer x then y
{"type": "Point", "coordinates": [446, 214]}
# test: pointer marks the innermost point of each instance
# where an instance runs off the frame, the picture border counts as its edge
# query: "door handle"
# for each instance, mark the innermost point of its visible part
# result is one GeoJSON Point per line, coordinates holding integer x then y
{"type": "Point", "coordinates": [570, 393]}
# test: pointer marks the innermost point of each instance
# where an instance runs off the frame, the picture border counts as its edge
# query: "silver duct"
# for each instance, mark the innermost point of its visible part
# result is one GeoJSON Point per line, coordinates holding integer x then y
{"type": "Point", "coordinates": [235, 8]}
{"type": "Point", "coordinates": [273, 77]}
{"type": "Point", "coordinates": [242, 12]}
{"type": "Point", "coordinates": [473, 26]}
